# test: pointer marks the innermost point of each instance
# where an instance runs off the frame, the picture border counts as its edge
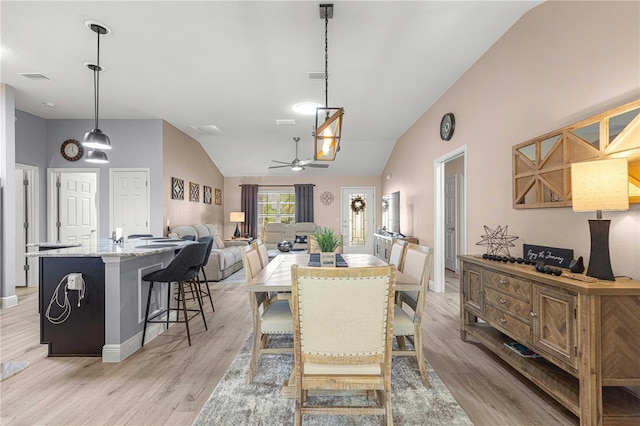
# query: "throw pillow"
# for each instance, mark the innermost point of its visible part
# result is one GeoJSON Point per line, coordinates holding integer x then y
{"type": "Point", "coordinates": [218, 241]}
{"type": "Point", "coordinates": [301, 239]}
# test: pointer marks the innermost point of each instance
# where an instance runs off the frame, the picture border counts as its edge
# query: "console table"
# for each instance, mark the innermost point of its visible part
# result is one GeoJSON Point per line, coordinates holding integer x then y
{"type": "Point", "coordinates": [587, 334]}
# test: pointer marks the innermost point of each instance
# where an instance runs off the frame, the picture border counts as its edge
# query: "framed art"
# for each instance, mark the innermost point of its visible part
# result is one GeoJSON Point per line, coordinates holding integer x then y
{"type": "Point", "coordinates": [194, 191]}
{"type": "Point", "coordinates": [177, 189]}
{"type": "Point", "coordinates": [206, 194]}
{"type": "Point", "coordinates": [218, 197]}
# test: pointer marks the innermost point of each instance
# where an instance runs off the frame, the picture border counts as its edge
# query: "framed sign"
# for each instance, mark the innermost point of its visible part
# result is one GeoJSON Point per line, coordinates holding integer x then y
{"type": "Point", "coordinates": [551, 256]}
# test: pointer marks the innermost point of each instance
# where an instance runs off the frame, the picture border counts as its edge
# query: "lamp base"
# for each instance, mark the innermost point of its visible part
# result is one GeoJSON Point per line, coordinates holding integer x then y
{"type": "Point", "coordinates": [237, 233]}
{"type": "Point", "coordinates": [599, 259]}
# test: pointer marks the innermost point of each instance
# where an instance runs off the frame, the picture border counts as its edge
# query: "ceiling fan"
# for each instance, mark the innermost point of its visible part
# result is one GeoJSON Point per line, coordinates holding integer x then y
{"type": "Point", "coordinates": [298, 165]}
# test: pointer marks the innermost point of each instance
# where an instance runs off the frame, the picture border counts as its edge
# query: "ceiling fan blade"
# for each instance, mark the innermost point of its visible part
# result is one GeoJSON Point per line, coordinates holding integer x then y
{"type": "Point", "coordinates": [317, 166]}
{"type": "Point", "coordinates": [307, 161]}
{"type": "Point", "coordinates": [282, 162]}
{"type": "Point", "coordinates": [277, 167]}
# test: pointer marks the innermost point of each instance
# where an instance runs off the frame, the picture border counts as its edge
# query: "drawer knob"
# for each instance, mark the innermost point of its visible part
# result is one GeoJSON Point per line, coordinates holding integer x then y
{"type": "Point", "coordinates": [502, 301]}
{"type": "Point", "coordinates": [478, 291]}
{"type": "Point", "coordinates": [503, 320]}
{"type": "Point", "coordinates": [533, 314]}
{"type": "Point", "coordinates": [503, 282]}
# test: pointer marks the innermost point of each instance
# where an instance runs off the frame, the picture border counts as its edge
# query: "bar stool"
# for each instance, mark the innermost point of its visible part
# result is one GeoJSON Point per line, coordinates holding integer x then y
{"type": "Point", "coordinates": [183, 269]}
{"type": "Point", "coordinates": [209, 242]}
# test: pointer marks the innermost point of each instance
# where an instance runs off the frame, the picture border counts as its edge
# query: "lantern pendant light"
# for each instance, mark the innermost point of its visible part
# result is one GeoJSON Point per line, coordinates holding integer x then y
{"type": "Point", "coordinates": [96, 139]}
{"type": "Point", "coordinates": [328, 128]}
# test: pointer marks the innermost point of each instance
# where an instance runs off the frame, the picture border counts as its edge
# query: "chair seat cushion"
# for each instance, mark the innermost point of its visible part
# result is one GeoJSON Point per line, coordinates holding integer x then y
{"type": "Point", "coordinates": [365, 369]}
{"type": "Point", "coordinates": [402, 322]}
{"type": "Point", "coordinates": [277, 319]}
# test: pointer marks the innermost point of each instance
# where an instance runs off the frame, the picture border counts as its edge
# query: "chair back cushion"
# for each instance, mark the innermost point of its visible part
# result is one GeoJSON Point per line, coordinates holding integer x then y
{"type": "Point", "coordinates": [397, 252]}
{"type": "Point", "coordinates": [262, 252]}
{"type": "Point", "coordinates": [417, 265]}
{"type": "Point", "coordinates": [251, 262]}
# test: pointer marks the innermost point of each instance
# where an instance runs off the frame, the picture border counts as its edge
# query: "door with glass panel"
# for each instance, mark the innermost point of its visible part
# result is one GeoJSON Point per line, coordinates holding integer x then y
{"type": "Point", "coordinates": [358, 216]}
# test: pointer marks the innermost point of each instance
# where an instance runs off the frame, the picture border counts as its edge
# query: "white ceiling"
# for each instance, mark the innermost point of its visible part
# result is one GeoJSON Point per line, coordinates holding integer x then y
{"type": "Point", "coordinates": [242, 65]}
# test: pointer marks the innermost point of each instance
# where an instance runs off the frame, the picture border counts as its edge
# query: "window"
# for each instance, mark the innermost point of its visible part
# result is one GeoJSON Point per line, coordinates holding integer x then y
{"type": "Point", "coordinates": [276, 206]}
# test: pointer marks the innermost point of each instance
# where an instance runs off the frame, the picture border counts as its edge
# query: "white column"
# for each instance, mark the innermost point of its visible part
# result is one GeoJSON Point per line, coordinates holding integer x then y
{"type": "Point", "coordinates": [8, 296]}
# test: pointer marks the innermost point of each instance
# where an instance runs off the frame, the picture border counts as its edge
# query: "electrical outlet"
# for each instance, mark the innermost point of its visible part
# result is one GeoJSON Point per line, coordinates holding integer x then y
{"type": "Point", "coordinates": [75, 281]}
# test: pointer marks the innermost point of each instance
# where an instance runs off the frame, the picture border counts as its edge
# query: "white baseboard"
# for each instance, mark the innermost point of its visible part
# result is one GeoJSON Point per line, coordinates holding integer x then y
{"type": "Point", "coordinates": [8, 302]}
{"type": "Point", "coordinates": [119, 352]}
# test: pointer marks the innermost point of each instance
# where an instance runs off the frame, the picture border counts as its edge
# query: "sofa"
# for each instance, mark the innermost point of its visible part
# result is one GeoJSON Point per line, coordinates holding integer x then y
{"type": "Point", "coordinates": [297, 233]}
{"type": "Point", "coordinates": [225, 257]}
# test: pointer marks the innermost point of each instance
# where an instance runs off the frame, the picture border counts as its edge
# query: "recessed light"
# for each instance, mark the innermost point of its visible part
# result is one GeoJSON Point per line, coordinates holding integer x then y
{"type": "Point", "coordinates": [207, 129]}
{"type": "Point", "coordinates": [34, 75]}
{"type": "Point", "coordinates": [285, 121]}
{"type": "Point", "coordinates": [49, 104]}
{"type": "Point", "coordinates": [306, 108]}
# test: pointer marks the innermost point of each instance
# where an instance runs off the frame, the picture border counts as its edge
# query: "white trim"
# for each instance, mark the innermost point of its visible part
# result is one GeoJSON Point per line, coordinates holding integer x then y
{"type": "Point", "coordinates": [147, 171]}
{"type": "Point", "coordinates": [438, 215]}
{"type": "Point", "coordinates": [52, 201]}
{"type": "Point", "coordinates": [9, 301]}
{"type": "Point", "coordinates": [33, 235]}
{"type": "Point", "coordinates": [118, 353]}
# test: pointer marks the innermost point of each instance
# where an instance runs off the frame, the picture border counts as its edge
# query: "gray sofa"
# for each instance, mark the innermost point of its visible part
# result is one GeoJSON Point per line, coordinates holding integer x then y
{"type": "Point", "coordinates": [273, 233]}
{"type": "Point", "coordinates": [225, 257]}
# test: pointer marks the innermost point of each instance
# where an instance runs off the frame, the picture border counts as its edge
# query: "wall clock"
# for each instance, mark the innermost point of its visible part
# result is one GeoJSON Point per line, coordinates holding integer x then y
{"type": "Point", "coordinates": [447, 126]}
{"type": "Point", "coordinates": [71, 150]}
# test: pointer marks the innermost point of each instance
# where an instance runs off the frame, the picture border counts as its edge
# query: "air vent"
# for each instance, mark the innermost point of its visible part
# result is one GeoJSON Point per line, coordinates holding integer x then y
{"type": "Point", "coordinates": [207, 129]}
{"type": "Point", "coordinates": [317, 75]}
{"type": "Point", "coordinates": [285, 121]}
{"type": "Point", "coordinates": [34, 76]}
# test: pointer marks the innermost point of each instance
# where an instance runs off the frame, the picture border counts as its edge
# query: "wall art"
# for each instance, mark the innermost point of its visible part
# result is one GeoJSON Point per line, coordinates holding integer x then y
{"type": "Point", "coordinates": [218, 197]}
{"type": "Point", "coordinates": [194, 191]}
{"type": "Point", "coordinates": [206, 194]}
{"type": "Point", "coordinates": [177, 189]}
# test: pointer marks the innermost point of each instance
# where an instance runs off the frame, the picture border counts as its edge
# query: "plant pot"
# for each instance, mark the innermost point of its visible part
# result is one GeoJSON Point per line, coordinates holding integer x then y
{"type": "Point", "coordinates": [328, 259]}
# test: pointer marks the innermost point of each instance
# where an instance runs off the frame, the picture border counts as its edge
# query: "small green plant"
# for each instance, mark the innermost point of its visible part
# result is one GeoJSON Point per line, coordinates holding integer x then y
{"type": "Point", "coordinates": [328, 239]}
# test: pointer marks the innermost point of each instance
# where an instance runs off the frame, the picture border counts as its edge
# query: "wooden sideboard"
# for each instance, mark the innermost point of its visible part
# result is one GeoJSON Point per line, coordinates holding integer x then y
{"type": "Point", "coordinates": [587, 334]}
{"type": "Point", "coordinates": [382, 244]}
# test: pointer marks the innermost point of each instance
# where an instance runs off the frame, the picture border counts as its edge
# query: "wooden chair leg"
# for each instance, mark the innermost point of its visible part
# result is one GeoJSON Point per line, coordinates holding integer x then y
{"type": "Point", "coordinates": [401, 343]}
{"type": "Point", "coordinates": [253, 364]}
{"type": "Point", "coordinates": [146, 314]}
{"type": "Point", "coordinates": [417, 343]}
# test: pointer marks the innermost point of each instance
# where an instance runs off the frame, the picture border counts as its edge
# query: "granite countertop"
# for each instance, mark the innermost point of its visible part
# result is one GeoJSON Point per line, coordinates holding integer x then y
{"type": "Point", "coordinates": [105, 247]}
{"type": "Point", "coordinates": [53, 245]}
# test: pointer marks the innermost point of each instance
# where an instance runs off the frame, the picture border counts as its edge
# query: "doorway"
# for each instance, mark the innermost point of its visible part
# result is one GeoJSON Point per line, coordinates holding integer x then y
{"type": "Point", "coordinates": [358, 216]}
{"type": "Point", "coordinates": [73, 205]}
{"type": "Point", "coordinates": [27, 231]}
{"type": "Point", "coordinates": [440, 219]}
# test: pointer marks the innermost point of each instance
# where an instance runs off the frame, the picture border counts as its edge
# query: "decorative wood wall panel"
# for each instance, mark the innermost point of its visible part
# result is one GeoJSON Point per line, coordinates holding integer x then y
{"type": "Point", "coordinates": [542, 166]}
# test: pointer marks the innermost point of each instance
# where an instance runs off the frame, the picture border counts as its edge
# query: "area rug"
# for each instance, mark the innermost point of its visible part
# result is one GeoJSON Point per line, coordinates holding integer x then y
{"type": "Point", "coordinates": [8, 369]}
{"type": "Point", "coordinates": [234, 402]}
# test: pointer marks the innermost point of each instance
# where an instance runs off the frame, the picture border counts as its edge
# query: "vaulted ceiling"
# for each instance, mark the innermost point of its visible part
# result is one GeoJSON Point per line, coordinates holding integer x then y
{"type": "Point", "coordinates": [242, 65]}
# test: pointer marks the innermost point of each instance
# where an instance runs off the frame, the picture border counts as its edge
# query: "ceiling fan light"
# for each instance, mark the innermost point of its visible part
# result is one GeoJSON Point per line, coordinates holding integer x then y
{"type": "Point", "coordinates": [96, 139]}
{"type": "Point", "coordinates": [297, 168]}
{"type": "Point", "coordinates": [96, 156]}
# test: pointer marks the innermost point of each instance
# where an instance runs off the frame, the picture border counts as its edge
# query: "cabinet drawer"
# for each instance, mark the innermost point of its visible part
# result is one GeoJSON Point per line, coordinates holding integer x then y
{"type": "Point", "coordinates": [509, 323]}
{"type": "Point", "coordinates": [507, 303]}
{"type": "Point", "coordinates": [508, 283]}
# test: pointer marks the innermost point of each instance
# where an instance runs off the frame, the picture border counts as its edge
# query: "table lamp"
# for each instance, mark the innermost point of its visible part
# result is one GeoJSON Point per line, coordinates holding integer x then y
{"type": "Point", "coordinates": [236, 217]}
{"type": "Point", "coordinates": [600, 185]}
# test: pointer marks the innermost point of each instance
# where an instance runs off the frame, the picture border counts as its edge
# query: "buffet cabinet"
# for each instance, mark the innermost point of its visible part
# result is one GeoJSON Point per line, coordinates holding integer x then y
{"type": "Point", "coordinates": [382, 244]}
{"type": "Point", "coordinates": [586, 334]}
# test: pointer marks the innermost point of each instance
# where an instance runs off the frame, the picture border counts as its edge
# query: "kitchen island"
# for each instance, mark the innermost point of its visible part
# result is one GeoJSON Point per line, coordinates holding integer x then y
{"type": "Point", "coordinates": [107, 318]}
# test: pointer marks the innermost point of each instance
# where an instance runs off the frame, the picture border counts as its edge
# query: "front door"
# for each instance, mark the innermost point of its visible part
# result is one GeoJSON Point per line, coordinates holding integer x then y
{"type": "Point", "coordinates": [77, 207]}
{"type": "Point", "coordinates": [358, 216]}
{"type": "Point", "coordinates": [130, 201]}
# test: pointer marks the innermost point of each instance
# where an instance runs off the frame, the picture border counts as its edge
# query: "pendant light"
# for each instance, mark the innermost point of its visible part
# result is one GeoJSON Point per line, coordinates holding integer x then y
{"type": "Point", "coordinates": [328, 128]}
{"type": "Point", "coordinates": [96, 139]}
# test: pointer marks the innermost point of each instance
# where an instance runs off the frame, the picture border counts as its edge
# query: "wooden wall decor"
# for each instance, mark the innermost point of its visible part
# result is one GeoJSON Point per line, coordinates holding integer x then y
{"type": "Point", "coordinates": [177, 189]}
{"type": "Point", "coordinates": [194, 191]}
{"type": "Point", "coordinates": [218, 197]}
{"type": "Point", "coordinates": [206, 194]}
{"type": "Point", "coordinates": [542, 166]}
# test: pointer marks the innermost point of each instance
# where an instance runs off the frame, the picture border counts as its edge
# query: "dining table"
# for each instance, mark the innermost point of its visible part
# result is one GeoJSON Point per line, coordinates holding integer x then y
{"type": "Point", "coordinates": [275, 277]}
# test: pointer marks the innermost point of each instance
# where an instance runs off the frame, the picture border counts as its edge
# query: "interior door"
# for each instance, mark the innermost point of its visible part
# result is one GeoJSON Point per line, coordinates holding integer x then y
{"type": "Point", "coordinates": [21, 233]}
{"type": "Point", "coordinates": [357, 225]}
{"type": "Point", "coordinates": [130, 201]}
{"type": "Point", "coordinates": [77, 207]}
{"type": "Point", "coordinates": [450, 209]}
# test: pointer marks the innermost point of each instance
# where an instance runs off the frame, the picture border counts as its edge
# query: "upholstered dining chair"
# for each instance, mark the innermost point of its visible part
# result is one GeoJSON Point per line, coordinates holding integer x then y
{"type": "Point", "coordinates": [417, 264]}
{"type": "Point", "coordinates": [262, 252]}
{"type": "Point", "coordinates": [270, 317]}
{"type": "Point", "coordinates": [397, 252]}
{"type": "Point", "coordinates": [341, 345]}
{"type": "Point", "coordinates": [312, 245]}
{"type": "Point", "coordinates": [183, 270]}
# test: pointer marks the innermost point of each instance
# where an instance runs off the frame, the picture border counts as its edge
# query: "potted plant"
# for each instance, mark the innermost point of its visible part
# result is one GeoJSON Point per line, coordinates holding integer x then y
{"type": "Point", "coordinates": [328, 241]}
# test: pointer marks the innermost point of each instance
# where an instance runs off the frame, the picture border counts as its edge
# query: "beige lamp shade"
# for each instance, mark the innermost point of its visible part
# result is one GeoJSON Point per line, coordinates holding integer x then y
{"type": "Point", "coordinates": [600, 185]}
{"type": "Point", "coordinates": [236, 217]}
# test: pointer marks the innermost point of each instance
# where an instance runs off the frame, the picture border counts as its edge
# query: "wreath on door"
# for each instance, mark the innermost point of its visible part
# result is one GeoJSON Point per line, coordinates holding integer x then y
{"type": "Point", "coordinates": [358, 204]}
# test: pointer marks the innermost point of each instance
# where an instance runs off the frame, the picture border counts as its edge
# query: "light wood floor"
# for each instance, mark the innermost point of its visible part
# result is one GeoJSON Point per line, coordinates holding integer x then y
{"type": "Point", "coordinates": [168, 382]}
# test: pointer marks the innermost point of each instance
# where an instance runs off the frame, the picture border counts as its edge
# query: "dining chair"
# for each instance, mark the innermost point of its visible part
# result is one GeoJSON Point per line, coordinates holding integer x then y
{"type": "Point", "coordinates": [209, 241]}
{"type": "Point", "coordinates": [340, 345]}
{"type": "Point", "coordinates": [262, 251]}
{"type": "Point", "coordinates": [269, 316]}
{"type": "Point", "coordinates": [397, 252]}
{"type": "Point", "coordinates": [183, 270]}
{"type": "Point", "coordinates": [312, 245]}
{"type": "Point", "coordinates": [417, 264]}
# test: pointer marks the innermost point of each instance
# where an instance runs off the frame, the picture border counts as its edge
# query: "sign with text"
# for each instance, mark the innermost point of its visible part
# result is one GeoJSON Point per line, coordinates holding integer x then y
{"type": "Point", "coordinates": [551, 256]}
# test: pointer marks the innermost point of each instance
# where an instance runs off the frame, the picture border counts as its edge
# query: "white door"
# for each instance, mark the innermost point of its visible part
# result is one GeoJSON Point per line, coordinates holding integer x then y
{"type": "Point", "coordinates": [130, 201]}
{"type": "Point", "coordinates": [77, 206]}
{"type": "Point", "coordinates": [21, 235]}
{"type": "Point", "coordinates": [450, 209]}
{"type": "Point", "coordinates": [358, 216]}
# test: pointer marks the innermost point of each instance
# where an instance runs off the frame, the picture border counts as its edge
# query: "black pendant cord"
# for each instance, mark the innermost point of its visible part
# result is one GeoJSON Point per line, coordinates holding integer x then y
{"type": "Point", "coordinates": [326, 60]}
{"type": "Point", "coordinates": [96, 82]}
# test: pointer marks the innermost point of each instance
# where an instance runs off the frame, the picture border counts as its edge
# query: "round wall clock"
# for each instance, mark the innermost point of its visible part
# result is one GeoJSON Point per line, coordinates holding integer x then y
{"type": "Point", "coordinates": [327, 198]}
{"type": "Point", "coordinates": [71, 150]}
{"type": "Point", "coordinates": [447, 126]}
